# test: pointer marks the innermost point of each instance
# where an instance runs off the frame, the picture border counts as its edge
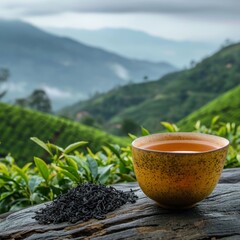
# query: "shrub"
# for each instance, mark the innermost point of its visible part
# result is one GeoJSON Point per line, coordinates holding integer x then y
{"type": "Point", "coordinates": [64, 168]}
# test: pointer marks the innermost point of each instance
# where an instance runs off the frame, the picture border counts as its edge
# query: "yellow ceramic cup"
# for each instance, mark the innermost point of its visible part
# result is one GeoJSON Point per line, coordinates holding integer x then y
{"type": "Point", "coordinates": [178, 179]}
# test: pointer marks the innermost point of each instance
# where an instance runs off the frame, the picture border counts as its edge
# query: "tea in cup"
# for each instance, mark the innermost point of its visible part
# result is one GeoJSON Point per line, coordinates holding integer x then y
{"type": "Point", "coordinates": [177, 170]}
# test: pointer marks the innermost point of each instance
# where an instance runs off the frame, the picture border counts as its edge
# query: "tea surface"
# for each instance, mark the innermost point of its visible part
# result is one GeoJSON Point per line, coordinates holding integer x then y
{"type": "Point", "coordinates": [181, 146]}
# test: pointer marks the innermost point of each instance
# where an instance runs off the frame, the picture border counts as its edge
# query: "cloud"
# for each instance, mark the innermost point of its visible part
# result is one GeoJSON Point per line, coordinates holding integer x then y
{"type": "Point", "coordinates": [200, 20]}
{"type": "Point", "coordinates": [219, 8]}
{"type": "Point", "coordinates": [57, 94]}
{"type": "Point", "coordinates": [120, 71]}
{"type": "Point", "coordinates": [11, 87]}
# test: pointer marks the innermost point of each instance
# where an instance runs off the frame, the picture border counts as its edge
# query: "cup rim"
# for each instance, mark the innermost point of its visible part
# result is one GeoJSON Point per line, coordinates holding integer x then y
{"type": "Point", "coordinates": [224, 140]}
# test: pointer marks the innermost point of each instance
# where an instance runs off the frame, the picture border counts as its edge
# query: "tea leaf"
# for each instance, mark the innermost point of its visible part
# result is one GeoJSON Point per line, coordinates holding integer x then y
{"type": "Point", "coordinates": [26, 167]}
{"type": "Point", "coordinates": [133, 137]}
{"type": "Point", "coordinates": [72, 171]}
{"type": "Point", "coordinates": [198, 124]}
{"type": "Point", "coordinates": [81, 164]}
{"type": "Point", "coordinates": [104, 173]}
{"type": "Point", "coordinates": [89, 204]}
{"type": "Point", "coordinates": [36, 198]}
{"type": "Point", "coordinates": [72, 163]}
{"type": "Point", "coordinates": [74, 146]}
{"type": "Point", "coordinates": [90, 152]}
{"type": "Point", "coordinates": [34, 182]}
{"type": "Point", "coordinates": [8, 179]}
{"type": "Point", "coordinates": [70, 175]}
{"type": "Point", "coordinates": [222, 131]}
{"type": "Point", "coordinates": [122, 167]}
{"type": "Point", "coordinates": [107, 151]}
{"type": "Point", "coordinates": [3, 169]}
{"type": "Point", "coordinates": [93, 166]}
{"type": "Point", "coordinates": [115, 149]}
{"type": "Point", "coordinates": [168, 126]}
{"type": "Point", "coordinates": [145, 132]}
{"type": "Point", "coordinates": [21, 173]}
{"type": "Point", "coordinates": [41, 144]}
{"type": "Point", "coordinates": [214, 120]}
{"type": "Point", "coordinates": [42, 167]}
{"type": "Point", "coordinates": [5, 195]}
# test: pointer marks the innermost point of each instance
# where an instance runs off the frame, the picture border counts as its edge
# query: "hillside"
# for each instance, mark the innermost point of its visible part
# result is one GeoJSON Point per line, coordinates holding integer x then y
{"type": "Point", "coordinates": [68, 70]}
{"type": "Point", "coordinates": [171, 98]}
{"type": "Point", "coordinates": [17, 125]}
{"type": "Point", "coordinates": [226, 106]}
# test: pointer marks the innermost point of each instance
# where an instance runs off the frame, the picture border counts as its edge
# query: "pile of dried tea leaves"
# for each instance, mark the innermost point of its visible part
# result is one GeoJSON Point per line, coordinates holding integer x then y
{"type": "Point", "coordinates": [84, 202]}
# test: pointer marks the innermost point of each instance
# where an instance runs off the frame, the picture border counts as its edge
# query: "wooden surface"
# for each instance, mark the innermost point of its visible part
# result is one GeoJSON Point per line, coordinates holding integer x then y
{"type": "Point", "coordinates": [217, 217]}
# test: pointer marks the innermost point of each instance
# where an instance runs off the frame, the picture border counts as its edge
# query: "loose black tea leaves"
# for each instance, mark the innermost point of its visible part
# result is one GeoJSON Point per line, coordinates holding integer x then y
{"type": "Point", "coordinates": [84, 202]}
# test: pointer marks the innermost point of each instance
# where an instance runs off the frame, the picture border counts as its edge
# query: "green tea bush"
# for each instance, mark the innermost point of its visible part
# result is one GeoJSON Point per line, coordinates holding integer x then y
{"type": "Point", "coordinates": [63, 168]}
{"type": "Point", "coordinates": [231, 131]}
{"type": "Point", "coordinates": [18, 125]}
{"type": "Point", "coordinates": [60, 171]}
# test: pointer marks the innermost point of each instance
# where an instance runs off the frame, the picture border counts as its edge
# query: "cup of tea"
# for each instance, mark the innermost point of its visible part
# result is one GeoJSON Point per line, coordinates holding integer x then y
{"type": "Point", "coordinates": [177, 170]}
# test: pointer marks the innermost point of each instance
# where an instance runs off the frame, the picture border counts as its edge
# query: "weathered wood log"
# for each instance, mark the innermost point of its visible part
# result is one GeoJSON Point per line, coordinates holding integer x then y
{"type": "Point", "coordinates": [217, 217]}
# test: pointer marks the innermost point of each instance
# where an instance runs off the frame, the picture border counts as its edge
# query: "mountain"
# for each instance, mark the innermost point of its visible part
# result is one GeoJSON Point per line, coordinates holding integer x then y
{"type": "Point", "coordinates": [137, 44]}
{"type": "Point", "coordinates": [66, 69]}
{"type": "Point", "coordinates": [17, 125]}
{"type": "Point", "coordinates": [171, 98]}
{"type": "Point", "coordinates": [226, 106]}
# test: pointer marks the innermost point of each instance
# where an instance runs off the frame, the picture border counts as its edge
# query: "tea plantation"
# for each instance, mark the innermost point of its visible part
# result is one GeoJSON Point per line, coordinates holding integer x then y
{"type": "Point", "coordinates": [226, 106]}
{"type": "Point", "coordinates": [17, 125]}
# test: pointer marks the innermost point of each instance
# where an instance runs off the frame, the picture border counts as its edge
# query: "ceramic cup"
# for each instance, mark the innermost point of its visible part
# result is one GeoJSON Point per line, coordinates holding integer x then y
{"type": "Point", "coordinates": [178, 178]}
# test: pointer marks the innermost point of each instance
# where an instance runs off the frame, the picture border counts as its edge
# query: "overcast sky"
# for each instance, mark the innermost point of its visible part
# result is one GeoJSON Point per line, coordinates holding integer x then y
{"type": "Point", "coordinates": [203, 20]}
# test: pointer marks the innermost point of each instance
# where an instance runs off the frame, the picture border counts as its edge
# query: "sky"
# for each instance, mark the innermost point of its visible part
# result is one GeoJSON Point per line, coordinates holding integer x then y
{"type": "Point", "coordinates": [199, 20]}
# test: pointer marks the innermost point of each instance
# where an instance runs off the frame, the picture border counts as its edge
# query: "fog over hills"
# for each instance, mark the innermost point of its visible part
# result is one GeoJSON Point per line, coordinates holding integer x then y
{"type": "Point", "coordinates": [68, 70]}
{"type": "Point", "coordinates": [141, 45]}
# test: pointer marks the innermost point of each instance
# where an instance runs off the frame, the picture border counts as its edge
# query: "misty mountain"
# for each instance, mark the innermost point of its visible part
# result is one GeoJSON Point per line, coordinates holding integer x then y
{"type": "Point", "coordinates": [66, 69]}
{"type": "Point", "coordinates": [171, 98]}
{"type": "Point", "coordinates": [140, 45]}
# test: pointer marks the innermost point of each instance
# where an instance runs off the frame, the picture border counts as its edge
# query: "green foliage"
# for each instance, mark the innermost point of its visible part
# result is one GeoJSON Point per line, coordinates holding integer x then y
{"type": "Point", "coordinates": [231, 131]}
{"type": "Point", "coordinates": [226, 106]}
{"type": "Point", "coordinates": [128, 125]}
{"type": "Point", "coordinates": [90, 121]}
{"type": "Point", "coordinates": [64, 168]}
{"type": "Point", "coordinates": [21, 187]}
{"type": "Point", "coordinates": [19, 125]}
{"type": "Point", "coordinates": [145, 132]}
{"type": "Point", "coordinates": [170, 127]}
{"type": "Point", "coordinates": [38, 100]}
